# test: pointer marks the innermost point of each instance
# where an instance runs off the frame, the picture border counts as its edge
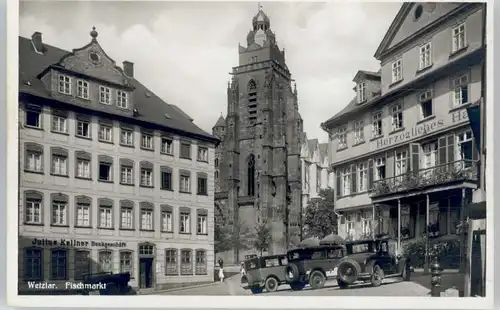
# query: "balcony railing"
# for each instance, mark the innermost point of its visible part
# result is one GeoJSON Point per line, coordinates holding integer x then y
{"type": "Point", "coordinates": [461, 170]}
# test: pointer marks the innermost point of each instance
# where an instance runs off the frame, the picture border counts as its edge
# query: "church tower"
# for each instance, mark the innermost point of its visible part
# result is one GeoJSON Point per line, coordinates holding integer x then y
{"type": "Point", "coordinates": [261, 144]}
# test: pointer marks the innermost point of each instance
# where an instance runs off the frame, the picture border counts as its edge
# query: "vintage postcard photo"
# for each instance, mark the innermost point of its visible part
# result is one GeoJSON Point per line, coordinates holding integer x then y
{"type": "Point", "coordinates": [287, 150]}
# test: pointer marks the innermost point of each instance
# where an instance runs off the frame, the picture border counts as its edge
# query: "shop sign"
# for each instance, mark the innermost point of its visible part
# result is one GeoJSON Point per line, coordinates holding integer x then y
{"type": "Point", "coordinates": [63, 242]}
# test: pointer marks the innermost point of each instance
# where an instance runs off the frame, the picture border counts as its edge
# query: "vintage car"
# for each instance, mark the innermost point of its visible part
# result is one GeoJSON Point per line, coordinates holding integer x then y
{"type": "Point", "coordinates": [371, 261]}
{"type": "Point", "coordinates": [107, 283]}
{"type": "Point", "coordinates": [264, 272]}
{"type": "Point", "coordinates": [312, 265]}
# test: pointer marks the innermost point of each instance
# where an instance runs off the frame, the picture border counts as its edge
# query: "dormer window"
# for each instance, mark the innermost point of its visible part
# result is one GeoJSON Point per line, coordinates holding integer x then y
{"type": "Point", "coordinates": [82, 89]}
{"type": "Point", "coordinates": [64, 84]}
{"type": "Point", "coordinates": [122, 100]}
{"type": "Point", "coordinates": [361, 92]}
{"type": "Point", "coordinates": [104, 95]}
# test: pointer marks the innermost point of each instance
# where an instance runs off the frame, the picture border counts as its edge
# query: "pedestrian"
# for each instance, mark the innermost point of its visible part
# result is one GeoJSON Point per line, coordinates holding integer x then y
{"type": "Point", "coordinates": [242, 269]}
{"type": "Point", "coordinates": [221, 269]}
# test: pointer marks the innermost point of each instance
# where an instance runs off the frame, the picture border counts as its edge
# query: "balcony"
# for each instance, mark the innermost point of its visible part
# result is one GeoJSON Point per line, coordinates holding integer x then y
{"type": "Point", "coordinates": [455, 172]}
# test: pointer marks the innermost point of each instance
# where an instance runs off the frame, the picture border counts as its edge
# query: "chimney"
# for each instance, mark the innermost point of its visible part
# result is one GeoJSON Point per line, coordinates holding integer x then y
{"type": "Point", "coordinates": [128, 68]}
{"type": "Point", "coordinates": [36, 39]}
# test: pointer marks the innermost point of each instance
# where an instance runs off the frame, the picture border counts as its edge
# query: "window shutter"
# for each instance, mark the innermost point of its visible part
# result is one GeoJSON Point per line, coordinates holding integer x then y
{"type": "Point", "coordinates": [451, 148]}
{"type": "Point", "coordinates": [338, 183]}
{"type": "Point", "coordinates": [353, 178]}
{"type": "Point", "coordinates": [475, 153]}
{"type": "Point", "coordinates": [370, 174]}
{"type": "Point", "coordinates": [414, 156]}
{"type": "Point", "coordinates": [442, 151]}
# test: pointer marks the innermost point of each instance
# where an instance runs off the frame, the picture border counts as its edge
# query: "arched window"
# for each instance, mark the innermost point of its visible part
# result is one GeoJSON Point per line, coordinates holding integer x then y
{"type": "Point", "coordinates": [251, 175]}
{"type": "Point", "coordinates": [216, 162]}
{"type": "Point", "coordinates": [252, 101]}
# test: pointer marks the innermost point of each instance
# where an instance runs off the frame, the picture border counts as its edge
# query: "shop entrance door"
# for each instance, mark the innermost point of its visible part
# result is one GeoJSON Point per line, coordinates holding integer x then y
{"type": "Point", "coordinates": [146, 266]}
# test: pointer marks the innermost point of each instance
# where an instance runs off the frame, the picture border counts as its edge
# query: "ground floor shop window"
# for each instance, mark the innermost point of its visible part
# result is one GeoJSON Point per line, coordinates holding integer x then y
{"type": "Point", "coordinates": [59, 264]}
{"type": "Point", "coordinates": [83, 264]}
{"type": "Point", "coordinates": [186, 262]}
{"type": "Point", "coordinates": [33, 266]}
{"type": "Point", "coordinates": [201, 262]}
{"type": "Point", "coordinates": [126, 262]}
{"type": "Point", "coordinates": [171, 262]}
{"type": "Point", "coordinates": [366, 223]}
{"type": "Point", "coordinates": [105, 261]}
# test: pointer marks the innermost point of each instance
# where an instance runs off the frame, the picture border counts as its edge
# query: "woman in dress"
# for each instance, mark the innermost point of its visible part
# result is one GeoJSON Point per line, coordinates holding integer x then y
{"type": "Point", "coordinates": [221, 269]}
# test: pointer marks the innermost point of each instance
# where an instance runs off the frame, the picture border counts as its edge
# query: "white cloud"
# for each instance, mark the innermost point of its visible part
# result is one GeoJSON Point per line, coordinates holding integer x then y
{"type": "Point", "coordinates": [184, 51]}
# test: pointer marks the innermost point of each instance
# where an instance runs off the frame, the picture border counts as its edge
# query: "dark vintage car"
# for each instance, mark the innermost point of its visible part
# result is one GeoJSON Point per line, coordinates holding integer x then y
{"type": "Point", "coordinates": [312, 265]}
{"type": "Point", "coordinates": [371, 261]}
{"type": "Point", "coordinates": [264, 272]}
{"type": "Point", "coordinates": [107, 283]}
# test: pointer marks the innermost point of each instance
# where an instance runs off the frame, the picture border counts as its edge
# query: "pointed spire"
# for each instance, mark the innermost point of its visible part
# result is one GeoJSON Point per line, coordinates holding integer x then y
{"type": "Point", "coordinates": [221, 122]}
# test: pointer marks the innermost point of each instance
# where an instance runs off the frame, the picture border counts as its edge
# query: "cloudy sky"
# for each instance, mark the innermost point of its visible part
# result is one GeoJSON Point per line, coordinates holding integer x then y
{"type": "Point", "coordinates": [184, 51]}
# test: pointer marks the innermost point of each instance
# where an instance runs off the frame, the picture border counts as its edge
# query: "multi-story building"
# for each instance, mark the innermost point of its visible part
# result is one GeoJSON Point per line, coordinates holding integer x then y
{"type": "Point", "coordinates": [259, 159]}
{"type": "Point", "coordinates": [112, 178]}
{"type": "Point", "coordinates": [316, 173]}
{"type": "Point", "coordinates": [402, 150]}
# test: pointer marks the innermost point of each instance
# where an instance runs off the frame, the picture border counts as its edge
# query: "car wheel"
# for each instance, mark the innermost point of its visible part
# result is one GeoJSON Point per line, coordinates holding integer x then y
{"type": "Point", "coordinates": [406, 274]}
{"type": "Point", "coordinates": [271, 284]}
{"type": "Point", "coordinates": [292, 273]}
{"type": "Point", "coordinates": [348, 271]}
{"type": "Point", "coordinates": [342, 284]}
{"type": "Point", "coordinates": [297, 286]}
{"type": "Point", "coordinates": [256, 290]}
{"type": "Point", "coordinates": [317, 279]}
{"type": "Point", "coordinates": [377, 276]}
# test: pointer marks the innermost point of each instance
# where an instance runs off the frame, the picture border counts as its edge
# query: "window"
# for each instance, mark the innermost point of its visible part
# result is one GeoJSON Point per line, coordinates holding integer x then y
{"type": "Point", "coordinates": [105, 261]}
{"type": "Point", "coordinates": [166, 178]}
{"type": "Point", "coordinates": [362, 177]}
{"type": "Point", "coordinates": [342, 138]}
{"type": "Point", "coordinates": [185, 150]}
{"type": "Point", "coordinates": [126, 214]}
{"type": "Point", "coordinates": [33, 266]}
{"type": "Point", "coordinates": [166, 146]}
{"type": "Point", "coordinates": [104, 95]}
{"type": "Point", "coordinates": [83, 264]}
{"type": "Point", "coordinates": [105, 133]}
{"type": "Point", "coordinates": [251, 175]}
{"type": "Point", "coordinates": [397, 71]}
{"type": "Point", "coordinates": [425, 56]}
{"type": "Point", "coordinates": [126, 262]}
{"type": "Point", "coordinates": [126, 172]}
{"type": "Point", "coordinates": [126, 137]}
{"type": "Point", "coordinates": [379, 168]}
{"type": "Point", "coordinates": [146, 216]}
{"type": "Point", "coordinates": [202, 184]}
{"type": "Point", "coordinates": [460, 90]}
{"type": "Point", "coordinates": [83, 128]}
{"type": "Point", "coordinates": [82, 89]}
{"type": "Point", "coordinates": [59, 122]}
{"type": "Point", "coordinates": [397, 116]}
{"type": "Point", "coordinates": [59, 212]}
{"type": "Point", "coordinates": [33, 208]}
{"type": "Point", "coordinates": [361, 92]}
{"type": "Point", "coordinates": [430, 155]}
{"type": "Point", "coordinates": [105, 213]}
{"type": "Point", "coordinates": [186, 262]}
{"type": "Point", "coordinates": [377, 124]}
{"type": "Point", "coordinates": [201, 262]}
{"type": "Point", "coordinates": [359, 135]}
{"type": "Point", "coordinates": [346, 181]}
{"type": "Point", "coordinates": [83, 161]}
{"type": "Point", "coordinates": [59, 162]}
{"type": "Point", "coordinates": [401, 163]}
{"type": "Point", "coordinates": [465, 147]}
{"type": "Point", "coordinates": [185, 221]}
{"type": "Point", "coordinates": [216, 175]}
{"type": "Point", "coordinates": [64, 84]}
{"type": "Point", "coordinates": [458, 40]}
{"type": "Point", "coordinates": [146, 174]}
{"type": "Point", "coordinates": [252, 101]}
{"type": "Point", "coordinates": [33, 116]}
{"type": "Point", "coordinates": [58, 266]}
{"type": "Point", "coordinates": [366, 222]}
{"type": "Point", "coordinates": [122, 100]}
{"type": "Point", "coordinates": [426, 104]}
{"type": "Point", "coordinates": [216, 163]}
{"type": "Point", "coordinates": [146, 141]}
{"type": "Point", "coordinates": [202, 222]}
{"type": "Point", "coordinates": [185, 182]}
{"type": "Point", "coordinates": [171, 262]}
{"type": "Point", "coordinates": [83, 211]}
{"type": "Point", "coordinates": [349, 225]}
{"type": "Point", "coordinates": [202, 154]}
{"type": "Point", "coordinates": [318, 178]}
{"type": "Point", "coordinates": [34, 157]}
{"type": "Point", "coordinates": [105, 168]}
{"type": "Point", "coordinates": [167, 219]}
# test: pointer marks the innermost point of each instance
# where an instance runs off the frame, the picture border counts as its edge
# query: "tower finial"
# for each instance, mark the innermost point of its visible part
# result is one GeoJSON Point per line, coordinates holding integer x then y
{"type": "Point", "coordinates": [93, 33]}
{"type": "Point", "coordinates": [259, 8]}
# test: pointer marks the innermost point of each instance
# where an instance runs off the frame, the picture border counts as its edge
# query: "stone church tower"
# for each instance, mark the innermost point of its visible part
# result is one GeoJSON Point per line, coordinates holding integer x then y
{"type": "Point", "coordinates": [258, 168]}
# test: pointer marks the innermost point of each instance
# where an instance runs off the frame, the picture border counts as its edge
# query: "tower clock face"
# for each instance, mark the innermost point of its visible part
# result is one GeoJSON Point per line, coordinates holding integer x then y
{"type": "Point", "coordinates": [260, 37]}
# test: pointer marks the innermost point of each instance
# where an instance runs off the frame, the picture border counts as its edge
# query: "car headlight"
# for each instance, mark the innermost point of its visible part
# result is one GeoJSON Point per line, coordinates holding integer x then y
{"type": "Point", "coordinates": [308, 272]}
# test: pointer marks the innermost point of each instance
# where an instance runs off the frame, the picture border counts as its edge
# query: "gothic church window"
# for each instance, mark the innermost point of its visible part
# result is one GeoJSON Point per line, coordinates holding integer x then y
{"type": "Point", "coordinates": [252, 101]}
{"type": "Point", "coordinates": [251, 175]}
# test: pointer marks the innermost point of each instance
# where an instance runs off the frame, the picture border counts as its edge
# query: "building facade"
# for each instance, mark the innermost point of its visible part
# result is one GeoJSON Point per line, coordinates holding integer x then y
{"type": "Point", "coordinates": [402, 150]}
{"type": "Point", "coordinates": [112, 178]}
{"type": "Point", "coordinates": [259, 159]}
{"type": "Point", "coordinates": [316, 172]}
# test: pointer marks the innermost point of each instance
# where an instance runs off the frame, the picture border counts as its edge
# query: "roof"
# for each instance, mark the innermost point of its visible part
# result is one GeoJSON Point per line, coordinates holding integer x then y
{"type": "Point", "coordinates": [365, 74]}
{"type": "Point", "coordinates": [323, 151]}
{"type": "Point", "coordinates": [221, 122]}
{"type": "Point", "coordinates": [151, 108]}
